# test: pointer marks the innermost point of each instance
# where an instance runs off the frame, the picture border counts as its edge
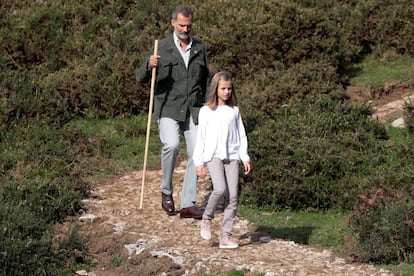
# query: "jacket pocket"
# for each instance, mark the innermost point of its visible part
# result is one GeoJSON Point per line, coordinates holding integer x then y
{"type": "Point", "coordinates": [166, 75]}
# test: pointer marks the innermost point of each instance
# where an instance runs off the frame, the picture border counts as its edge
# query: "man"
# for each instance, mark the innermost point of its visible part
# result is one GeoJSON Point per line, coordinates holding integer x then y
{"type": "Point", "coordinates": [181, 85]}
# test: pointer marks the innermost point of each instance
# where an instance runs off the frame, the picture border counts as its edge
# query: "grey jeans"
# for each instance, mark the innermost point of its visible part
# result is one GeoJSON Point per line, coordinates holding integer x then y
{"type": "Point", "coordinates": [225, 176]}
{"type": "Point", "coordinates": [170, 131]}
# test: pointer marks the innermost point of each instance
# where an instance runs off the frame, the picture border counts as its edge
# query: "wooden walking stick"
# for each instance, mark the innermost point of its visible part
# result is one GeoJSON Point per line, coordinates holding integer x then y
{"type": "Point", "coordinates": [154, 71]}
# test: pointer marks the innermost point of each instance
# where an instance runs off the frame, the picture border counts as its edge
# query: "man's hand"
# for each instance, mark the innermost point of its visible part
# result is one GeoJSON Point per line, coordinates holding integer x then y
{"type": "Point", "coordinates": [153, 61]}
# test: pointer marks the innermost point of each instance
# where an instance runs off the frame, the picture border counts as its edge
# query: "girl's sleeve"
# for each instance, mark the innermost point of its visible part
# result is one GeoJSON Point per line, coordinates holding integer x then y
{"type": "Point", "coordinates": [244, 156]}
{"type": "Point", "coordinates": [198, 154]}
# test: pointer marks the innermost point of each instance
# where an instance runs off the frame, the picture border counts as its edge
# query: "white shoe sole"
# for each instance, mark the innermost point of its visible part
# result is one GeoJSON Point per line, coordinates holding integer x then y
{"type": "Point", "coordinates": [228, 246]}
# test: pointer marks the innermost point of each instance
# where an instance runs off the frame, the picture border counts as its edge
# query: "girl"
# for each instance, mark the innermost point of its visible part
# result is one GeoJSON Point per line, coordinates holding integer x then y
{"type": "Point", "coordinates": [221, 144]}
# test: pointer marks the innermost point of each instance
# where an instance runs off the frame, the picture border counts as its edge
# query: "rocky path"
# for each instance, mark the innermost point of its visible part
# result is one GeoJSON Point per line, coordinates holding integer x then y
{"type": "Point", "coordinates": [127, 241]}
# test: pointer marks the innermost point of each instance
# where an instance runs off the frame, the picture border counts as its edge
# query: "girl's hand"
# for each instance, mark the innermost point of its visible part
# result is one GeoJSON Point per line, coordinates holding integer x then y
{"type": "Point", "coordinates": [247, 167]}
{"type": "Point", "coordinates": [200, 171]}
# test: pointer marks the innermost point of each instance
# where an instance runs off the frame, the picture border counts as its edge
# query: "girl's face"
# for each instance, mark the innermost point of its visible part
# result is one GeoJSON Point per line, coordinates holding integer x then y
{"type": "Point", "coordinates": [223, 92]}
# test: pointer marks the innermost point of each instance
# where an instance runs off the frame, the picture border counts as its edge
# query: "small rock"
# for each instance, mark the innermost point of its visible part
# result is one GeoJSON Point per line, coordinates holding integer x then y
{"type": "Point", "coordinates": [131, 248]}
{"type": "Point", "coordinates": [137, 247]}
{"type": "Point", "coordinates": [265, 239]}
{"type": "Point", "coordinates": [118, 228]}
{"type": "Point", "coordinates": [88, 218]}
{"type": "Point", "coordinates": [399, 123]}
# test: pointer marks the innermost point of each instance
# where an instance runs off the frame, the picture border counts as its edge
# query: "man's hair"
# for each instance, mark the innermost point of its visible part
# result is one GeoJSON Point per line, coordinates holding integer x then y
{"type": "Point", "coordinates": [184, 10]}
{"type": "Point", "coordinates": [213, 100]}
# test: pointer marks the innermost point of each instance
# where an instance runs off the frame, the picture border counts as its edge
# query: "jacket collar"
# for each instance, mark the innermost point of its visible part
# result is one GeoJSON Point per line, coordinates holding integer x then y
{"type": "Point", "coordinates": [196, 47]}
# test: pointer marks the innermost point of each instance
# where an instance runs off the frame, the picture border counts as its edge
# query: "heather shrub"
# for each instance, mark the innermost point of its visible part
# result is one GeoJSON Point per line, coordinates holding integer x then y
{"type": "Point", "coordinates": [40, 169]}
{"type": "Point", "coordinates": [387, 24]}
{"type": "Point", "coordinates": [27, 247]}
{"type": "Point", "coordinates": [88, 53]}
{"type": "Point", "coordinates": [315, 154]}
{"type": "Point", "coordinates": [383, 226]}
{"type": "Point", "coordinates": [271, 88]}
{"type": "Point", "coordinates": [42, 183]}
{"type": "Point", "coordinates": [286, 31]}
{"type": "Point", "coordinates": [83, 57]}
{"type": "Point", "coordinates": [23, 99]}
{"type": "Point", "coordinates": [23, 233]}
{"type": "Point", "coordinates": [71, 249]}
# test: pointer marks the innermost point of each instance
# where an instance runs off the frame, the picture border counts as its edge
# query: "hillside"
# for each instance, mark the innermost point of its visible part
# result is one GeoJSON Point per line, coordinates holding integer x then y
{"type": "Point", "coordinates": [71, 111]}
{"type": "Point", "coordinates": [125, 240]}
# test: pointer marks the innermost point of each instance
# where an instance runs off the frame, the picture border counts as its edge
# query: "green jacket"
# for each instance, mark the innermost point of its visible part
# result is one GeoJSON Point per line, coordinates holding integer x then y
{"type": "Point", "coordinates": [179, 92]}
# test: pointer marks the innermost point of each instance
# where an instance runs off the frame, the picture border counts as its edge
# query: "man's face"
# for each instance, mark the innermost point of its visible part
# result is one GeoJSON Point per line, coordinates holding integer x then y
{"type": "Point", "coordinates": [182, 26]}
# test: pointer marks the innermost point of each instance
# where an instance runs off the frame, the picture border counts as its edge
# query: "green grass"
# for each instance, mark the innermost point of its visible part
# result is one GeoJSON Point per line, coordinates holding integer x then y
{"type": "Point", "coordinates": [374, 72]}
{"type": "Point", "coordinates": [116, 261]}
{"type": "Point", "coordinates": [320, 229]}
{"type": "Point", "coordinates": [119, 144]}
{"type": "Point", "coordinates": [400, 136]}
{"type": "Point", "coordinates": [401, 269]}
{"type": "Point", "coordinates": [327, 229]}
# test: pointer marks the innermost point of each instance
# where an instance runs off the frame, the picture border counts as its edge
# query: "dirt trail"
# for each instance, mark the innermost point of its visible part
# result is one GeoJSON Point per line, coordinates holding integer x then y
{"type": "Point", "coordinates": [172, 246]}
{"type": "Point", "coordinates": [128, 241]}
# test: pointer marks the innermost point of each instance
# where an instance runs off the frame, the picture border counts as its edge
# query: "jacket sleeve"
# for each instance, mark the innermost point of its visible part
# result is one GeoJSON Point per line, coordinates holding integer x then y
{"type": "Point", "coordinates": [143, 74]}
{"type": "Point", "coordinates": [207, 80]}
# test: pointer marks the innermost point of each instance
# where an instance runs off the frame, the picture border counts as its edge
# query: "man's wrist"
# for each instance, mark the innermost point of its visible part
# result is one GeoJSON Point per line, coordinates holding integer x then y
{"type": "Point", "coordinates": [148, 66]}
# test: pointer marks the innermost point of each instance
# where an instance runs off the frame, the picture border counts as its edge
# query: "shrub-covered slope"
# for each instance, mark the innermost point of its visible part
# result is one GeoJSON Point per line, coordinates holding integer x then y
{"type": "Point", "coordinates": [62, 60]}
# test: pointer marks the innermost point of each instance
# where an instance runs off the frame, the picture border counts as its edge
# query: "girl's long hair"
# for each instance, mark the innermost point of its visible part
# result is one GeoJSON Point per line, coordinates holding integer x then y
{"type": "Point", "coordinates": [213, 100]}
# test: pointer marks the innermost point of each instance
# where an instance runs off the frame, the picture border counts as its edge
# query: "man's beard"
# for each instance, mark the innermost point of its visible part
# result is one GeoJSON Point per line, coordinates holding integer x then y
{"type": "Point", "coordinates": [183, 36]}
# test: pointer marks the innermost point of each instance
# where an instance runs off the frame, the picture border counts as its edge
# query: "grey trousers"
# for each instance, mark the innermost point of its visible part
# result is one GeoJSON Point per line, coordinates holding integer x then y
{"type": "Point", "coordinates": [170, 131]}
{"type": "Point", "coordinates": [225, 176]}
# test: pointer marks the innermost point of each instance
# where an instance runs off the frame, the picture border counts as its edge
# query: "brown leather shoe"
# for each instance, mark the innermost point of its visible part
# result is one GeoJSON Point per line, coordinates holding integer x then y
{"type": "Point", "coordinates": [191, 212]}
{"type": "Point", "coordinates": [167, 203]}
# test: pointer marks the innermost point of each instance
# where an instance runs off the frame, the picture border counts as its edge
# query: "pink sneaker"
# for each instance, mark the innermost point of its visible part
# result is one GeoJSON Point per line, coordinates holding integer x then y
{"type": "Point", "coordinates": [226, 242]}
{"type": "Point", "coordinates": [205, 229]}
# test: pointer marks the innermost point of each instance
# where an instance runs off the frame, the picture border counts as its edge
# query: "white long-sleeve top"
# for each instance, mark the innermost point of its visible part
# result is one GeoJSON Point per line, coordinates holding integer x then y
{"type": "Point", "coordinates": [220, 134]}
